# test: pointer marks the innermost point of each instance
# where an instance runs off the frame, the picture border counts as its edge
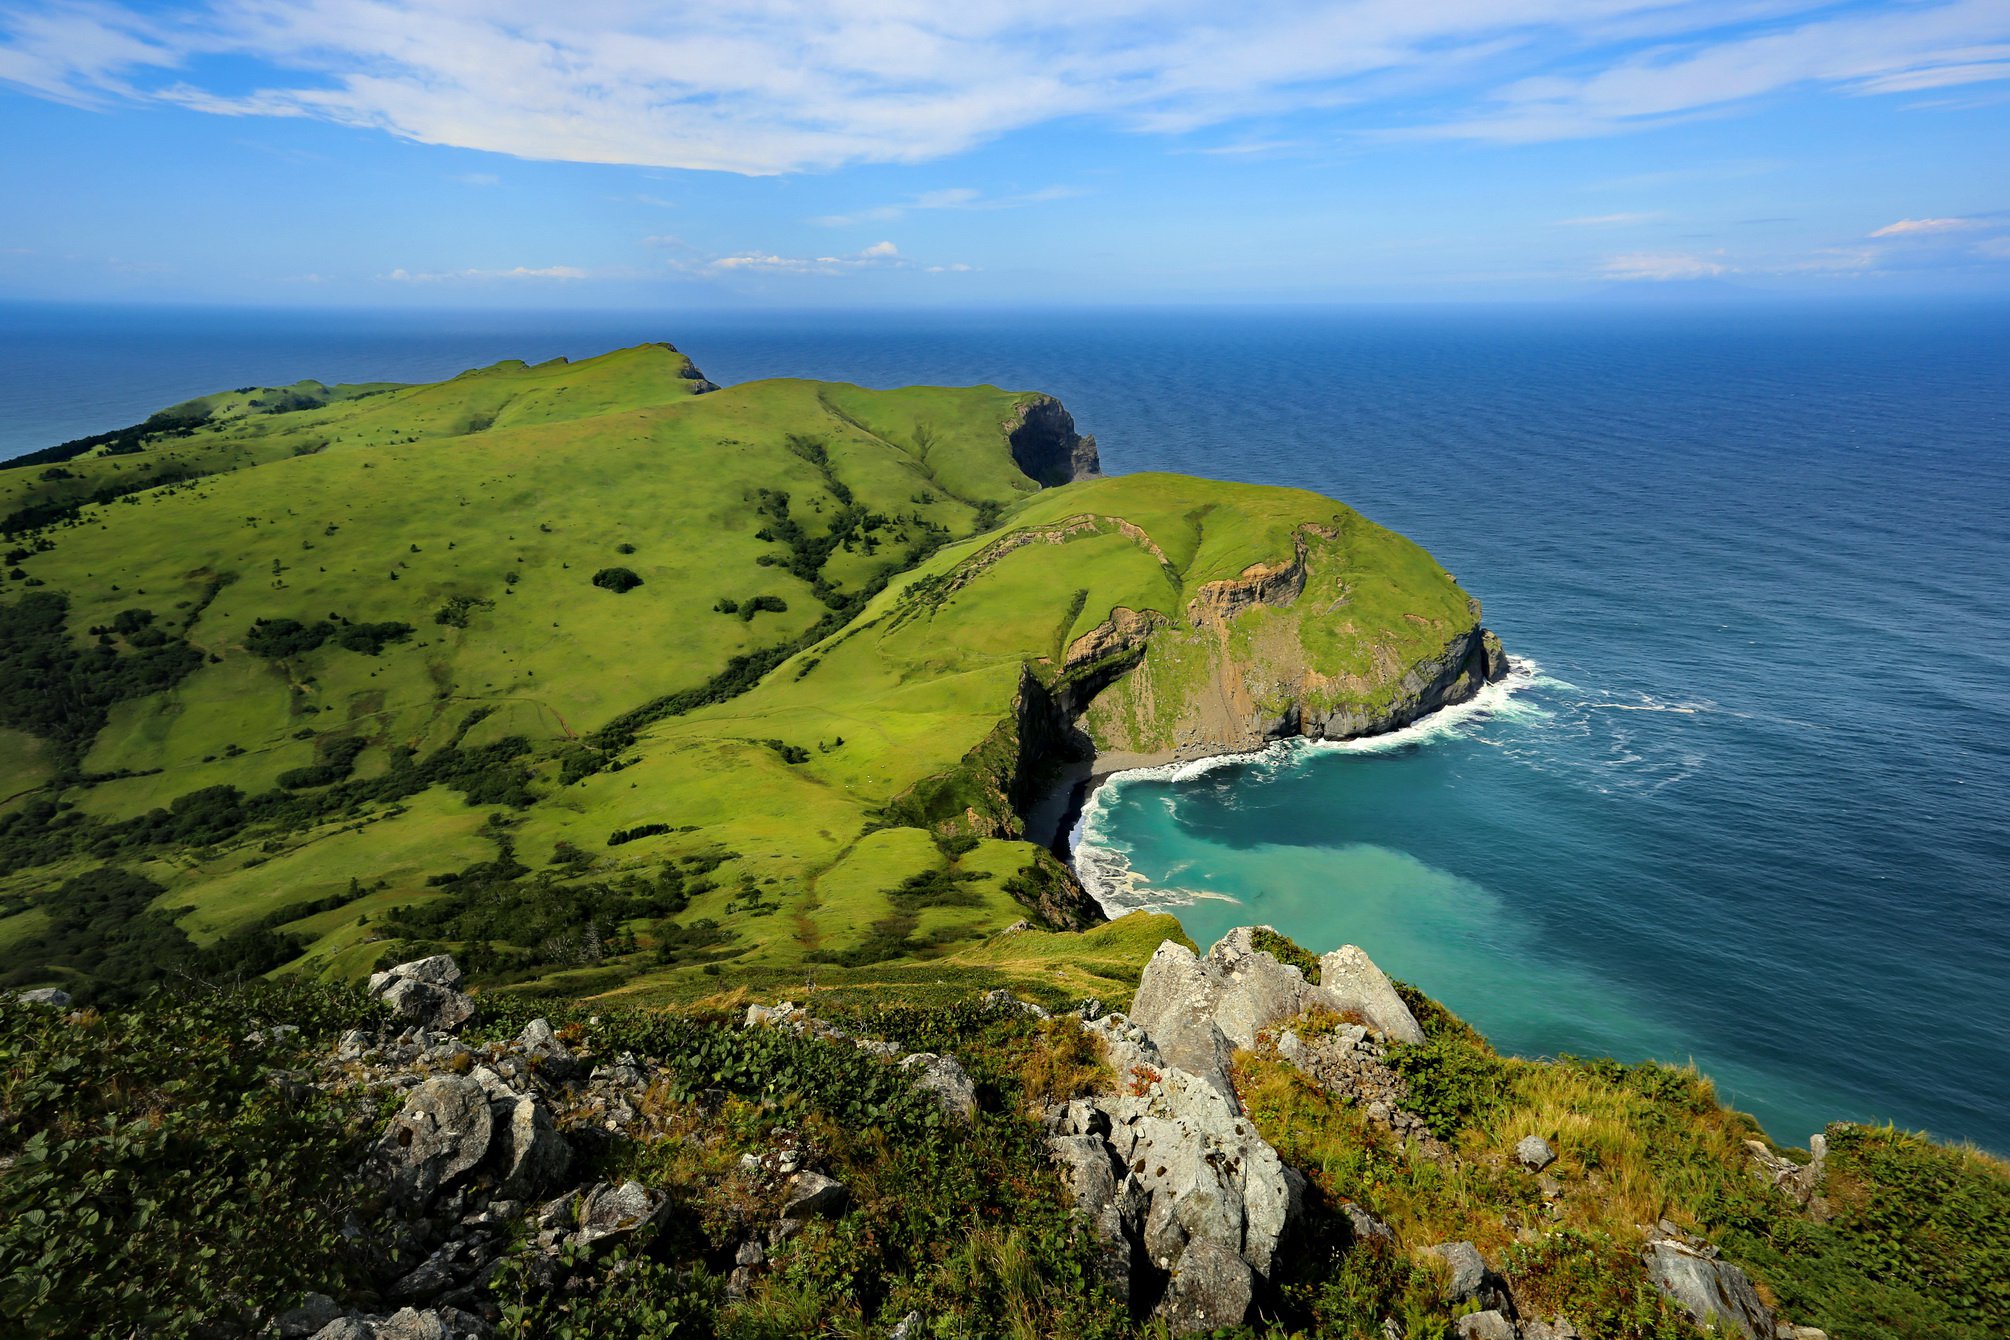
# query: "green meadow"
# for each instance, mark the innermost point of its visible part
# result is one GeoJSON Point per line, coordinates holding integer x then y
{"type": "Point", "coordinates": [611, 681]}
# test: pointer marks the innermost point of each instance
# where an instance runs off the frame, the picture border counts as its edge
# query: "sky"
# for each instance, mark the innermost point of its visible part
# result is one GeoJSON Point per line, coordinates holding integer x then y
{"type": "Point", "coordinates": [607, 153]}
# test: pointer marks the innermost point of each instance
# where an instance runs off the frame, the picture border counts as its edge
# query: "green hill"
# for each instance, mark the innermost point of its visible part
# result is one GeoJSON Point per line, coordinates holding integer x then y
{"type": "Point", "coordinates": [611, 680]}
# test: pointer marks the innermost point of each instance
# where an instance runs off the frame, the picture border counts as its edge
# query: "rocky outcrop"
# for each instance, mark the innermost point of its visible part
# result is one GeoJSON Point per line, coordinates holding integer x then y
{"type": "Point", "coordinates": [1198, 1009]}
{"type": "Point", "coordinates": [1046, 446]}
{"type": "Point", "coordinates": [1715, 1294]}
{"type": "Point", "coordinates": [425, 991]}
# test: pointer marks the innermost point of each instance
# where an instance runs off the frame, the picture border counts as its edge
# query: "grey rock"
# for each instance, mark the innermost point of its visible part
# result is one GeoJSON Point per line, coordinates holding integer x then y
{"type": "Point", "coordinates": [1211, 1287]}
{"type": "Point", "coordinates": [908, 1328]}
{"type": "Point", "coordinates": [52, 996]}
{"type": "Point", "coordinates": [412, 1324]}
{"type": "Point", "coordinates": [1088, 1170]}
{"type": "Point", "coordinates": [425, 991]}
{"type": "Point", "coordinates": [441, 1132]}
{"type": "Point", "coordinates": [1556, 1328]}
{"type": "Point", "coordinates": [1534, 1153]}
{"type": "Point", "coordinates": [609, 1211]}
{"type": "Point", "coordinates": [750, 1253]}
{"type": "Point", "coordinates": [1001, 999]}
{"type": "Point", "coordinates": [1365, 1226]}
{"type": "Point", "coordinates": [1470, 1280]}
{"type": "Point", "coordinates": [314, 1314]}
{"type": "Point", "coordinates": [439, 970]}
{"type": "Point", "coordinates": [547, 1056]}
{"type": "Point", "coordinates": [1466, 1267]}
{"type": "Point", "coordinates": [1352, 984]}
{"type": "Point", "coordinates": [1716, 1294]}
{"type": "Point", "coordinates": [1488, 1325]}
{"type": "Point", "coordinates": [810, 1194]}
{"type": "Point", "coordinates": [349, 1328]}
{"type": "Point", "coordinates": [944, 1078]}
{"type": "Point", "coordinates": [530, 1154]}
{"type": "Point", "coordinates": [1175, 1006]}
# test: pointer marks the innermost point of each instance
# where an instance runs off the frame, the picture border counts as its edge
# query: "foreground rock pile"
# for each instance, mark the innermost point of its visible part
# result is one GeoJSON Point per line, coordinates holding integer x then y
{"type": "Point", "coordinates": [484, 1156]}
{"type": "Point", "coordinates": [1192, 1207]}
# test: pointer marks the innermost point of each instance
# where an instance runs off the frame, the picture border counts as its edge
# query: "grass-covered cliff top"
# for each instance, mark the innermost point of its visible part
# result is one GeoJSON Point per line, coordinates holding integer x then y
{"type": "Point", "coordinates": [609, 680]}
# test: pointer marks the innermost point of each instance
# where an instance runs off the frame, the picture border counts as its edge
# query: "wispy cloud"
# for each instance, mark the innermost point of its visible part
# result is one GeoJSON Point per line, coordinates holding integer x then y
{"type": "Point", "coordinates": [1607, 220]}
{"type": "Point", "coordinates": [1922, 227]}
{"type": "Point", "coordinates": [955, 197]}
{"type": "Point", "coordinates": [770, 86]}
{"type": "Point", "coordinates": [878, 256]}
{"type": "Point", "coordinates": [476, 179]}
{"type": "Point", "coordinates": [403, 276]}
{"type": "Point", "coordinates": [1661, 267]}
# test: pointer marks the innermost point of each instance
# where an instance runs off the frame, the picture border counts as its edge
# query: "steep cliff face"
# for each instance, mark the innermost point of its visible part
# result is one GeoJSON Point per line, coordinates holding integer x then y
{"type": "Point", "coordinates": [1046, 446]}
{"type": "Point", "coordinates": [1299, 647]}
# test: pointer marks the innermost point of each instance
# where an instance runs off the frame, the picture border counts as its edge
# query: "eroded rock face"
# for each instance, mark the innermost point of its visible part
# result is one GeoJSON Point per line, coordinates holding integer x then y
{"type": "Point", "coordinates": [1046, 446]}
{"type": "Point", "coordinates": [440, 1134]}
{"type": "Point", "coordinates": [1716, 1294]}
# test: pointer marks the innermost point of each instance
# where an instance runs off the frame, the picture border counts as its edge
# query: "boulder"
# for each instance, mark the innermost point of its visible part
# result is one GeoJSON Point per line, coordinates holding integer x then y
{"type": "Point", "coordinates": [1350, 983]}
{"type": "Point", "coordinates": [1469, 1278]}
{"type": "Point", "coordinates": [608, 1211]}
{"type": "Point", "coordinates": [313, 1315]}
{"type": "Point", "coordinates": [425, 991]}
{"type": "Point", "coordinates": [54, 997]}
{"type": "Point", "coordinates": [545, 1054]}
{"type": "Point", "coordinates": [944, 1078]}
{"type": "Point", "coordinates": [1488, 1325]}
{"type": "Point", "coordinates": [1175, 1005]}
{"type": "Point", "coordinates": [811, 1194]}
{"type": "Point", "coordinates": [1716, 1294]}
{"type": "Point", "coordinates": [1211, 1287]}
{"type": "Point", "coordinates": [1533, 1153]}
{"type": "Point", "coordinates": [441, 1132]}
{"type": "Point", "coordinates": [530, 1156]}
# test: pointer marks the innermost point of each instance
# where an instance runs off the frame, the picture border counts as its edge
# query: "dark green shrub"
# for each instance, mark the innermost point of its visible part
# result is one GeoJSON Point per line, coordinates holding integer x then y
{"type": "Point", "coordinates": [617, 580]}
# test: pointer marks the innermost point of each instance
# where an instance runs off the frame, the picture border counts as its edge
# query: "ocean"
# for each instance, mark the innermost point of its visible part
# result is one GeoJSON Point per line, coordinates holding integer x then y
{"type": "Point", "coordinates": [1746, 799]}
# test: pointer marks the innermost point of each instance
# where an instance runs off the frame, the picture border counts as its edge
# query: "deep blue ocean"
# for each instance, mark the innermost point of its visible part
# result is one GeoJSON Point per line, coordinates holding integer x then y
{"type": "Point", "coordinates": [1747, 799]}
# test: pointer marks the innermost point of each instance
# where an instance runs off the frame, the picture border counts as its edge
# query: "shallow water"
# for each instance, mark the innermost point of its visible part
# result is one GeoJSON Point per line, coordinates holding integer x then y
{"type": "Point", "coordinates": [1749, 799]}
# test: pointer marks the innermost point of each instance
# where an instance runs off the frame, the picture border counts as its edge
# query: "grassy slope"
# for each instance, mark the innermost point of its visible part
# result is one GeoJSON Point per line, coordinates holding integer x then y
{"type": "Point", "coordinates": [513, 486]}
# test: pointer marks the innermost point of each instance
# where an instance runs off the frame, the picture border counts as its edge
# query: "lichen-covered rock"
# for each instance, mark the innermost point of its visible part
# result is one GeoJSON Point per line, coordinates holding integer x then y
{"type": "Point", "coordinates": [1211, 1287]}
{"type": "Point", "coordinates": [1487, 1325]}
{"type": "Point", "coordinates": [546, 1055]}
{"type": "Point", "coordinates": [1533, 1153]}
{"type": "Point", "coordinates": [441, 1132]}
{"type": "Point", "coordinates": [1351, 984]}
{"type": "Point", "coordinates": [54, 997]}
{"type": "Point", "coordinates": [944, 1079]}
{"type": "Point", "coordinates": [425, 991]}
{"type": "Point", "coordinates": [1716, 1294]}
{"type": "Point", "coordinates": [530, 1156]}
{"type": "Point", "coordinates": [811, 1195]}
{"type": "Point", "coordinates": [609, 1211]}
{"type": "Point", "coordinates": [1469, 1279]}
{"type": "Point", "coordinates": [1175, 1005]}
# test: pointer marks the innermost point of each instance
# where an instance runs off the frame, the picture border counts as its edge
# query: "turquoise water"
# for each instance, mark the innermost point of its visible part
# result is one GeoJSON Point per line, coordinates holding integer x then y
{"type": "Point", "coordinates": [1748, 800]}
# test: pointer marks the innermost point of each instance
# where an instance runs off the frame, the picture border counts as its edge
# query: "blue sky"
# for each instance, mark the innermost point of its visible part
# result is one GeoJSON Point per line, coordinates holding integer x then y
{"type": "Point", "coordinates": [609, 152]}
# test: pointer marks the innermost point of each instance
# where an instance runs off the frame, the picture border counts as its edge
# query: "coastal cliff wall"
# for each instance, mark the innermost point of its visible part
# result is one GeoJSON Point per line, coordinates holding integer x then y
{"type": "Point", "coordinates": [1046, 446]}
{"type": "Point", "coordinates": [1282, 650]}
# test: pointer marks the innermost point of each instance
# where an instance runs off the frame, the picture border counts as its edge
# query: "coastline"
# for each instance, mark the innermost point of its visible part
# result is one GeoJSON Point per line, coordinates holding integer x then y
{"type": "Point", "coordinates": [1058, 820]}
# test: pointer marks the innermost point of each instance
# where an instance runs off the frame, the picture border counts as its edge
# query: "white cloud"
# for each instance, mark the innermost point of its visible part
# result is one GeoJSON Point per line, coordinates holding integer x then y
{"type": "Point", "coordinates": [878, 256]}
{"type": "Point", "coordinates": [1660, 267]}
{"type": "Point", "coordinates": [957, 197]}
{"type": "Point", "coordinates": [1917, 227]}
{"type": "Point", "coordinates": [403, 276]}
{"type": "Point", "coordinates": [765, 86]}
{"type": "Point", "coordinates": [1606, 220]}
{"type": "Point", "coordinates": [1996, 247]}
